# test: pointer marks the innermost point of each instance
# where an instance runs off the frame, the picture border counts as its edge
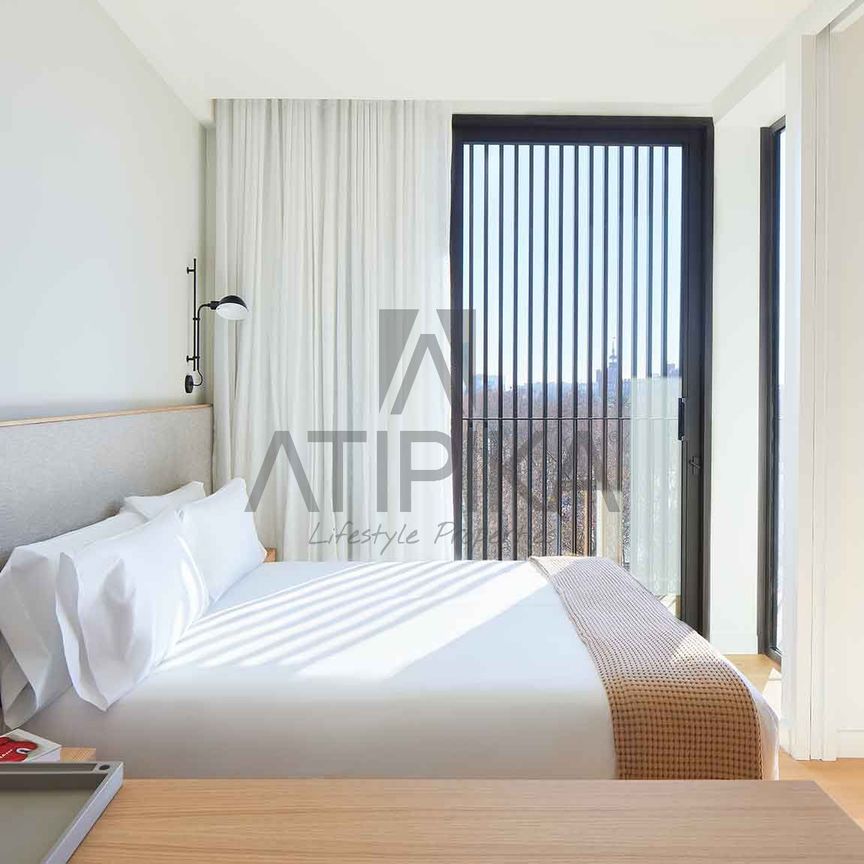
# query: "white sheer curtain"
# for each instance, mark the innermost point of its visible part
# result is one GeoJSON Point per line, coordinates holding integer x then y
{"type": "Point", "coordinates": [328, 212]}
{"type": "Point", "coordinates": [655, 484]}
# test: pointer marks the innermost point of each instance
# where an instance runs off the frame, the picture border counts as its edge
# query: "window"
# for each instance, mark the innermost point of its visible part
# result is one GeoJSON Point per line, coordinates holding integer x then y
{"type": "Point", "coordinates": [773, 377]}
{"type": "Point", "coordinates": [578, 260]}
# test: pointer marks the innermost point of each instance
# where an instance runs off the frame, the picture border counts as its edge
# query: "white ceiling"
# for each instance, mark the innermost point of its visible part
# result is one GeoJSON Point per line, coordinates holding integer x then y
{"type": "Point", "coordinates": [635, 52]}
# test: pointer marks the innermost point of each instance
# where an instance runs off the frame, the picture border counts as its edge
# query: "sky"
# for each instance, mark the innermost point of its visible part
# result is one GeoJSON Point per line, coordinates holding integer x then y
{"type": "Point", "coordinates": [559, 180]}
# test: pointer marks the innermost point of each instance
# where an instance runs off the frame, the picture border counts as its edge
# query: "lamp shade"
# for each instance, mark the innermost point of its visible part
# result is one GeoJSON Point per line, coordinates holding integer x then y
{"type": "Point", "coordinates": [232, 307]}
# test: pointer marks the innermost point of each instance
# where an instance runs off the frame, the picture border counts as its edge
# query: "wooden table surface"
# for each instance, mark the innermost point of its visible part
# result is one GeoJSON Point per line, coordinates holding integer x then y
{"type": "Point", "coordinates": [77, 754]}
{"type": "Point", "coordinates": [456, 822]}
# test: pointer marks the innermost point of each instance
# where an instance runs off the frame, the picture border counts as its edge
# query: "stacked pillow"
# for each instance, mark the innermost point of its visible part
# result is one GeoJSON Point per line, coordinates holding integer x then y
{"type": "Point", "coordinates": [150, 506]}
{"type": "Point", "coordinates": [221, 534]}
{"type": "Point", "coordinates": [123, 603]}
{"type": "Point", "coordinates": [33, 670]}
{"type": "Point", "coordinates": [99, 608]}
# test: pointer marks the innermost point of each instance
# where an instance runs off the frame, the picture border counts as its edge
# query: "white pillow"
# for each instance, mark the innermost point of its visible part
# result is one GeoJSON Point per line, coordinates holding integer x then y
{"type": "Point", "coordinates": [222, 537]}
{"type": "Point", "coordinates": [12, 680]}
{"type": "Point", "coordinates": [32, 665]}
{"type": "Point", "coordinates": [150, 506]}
{"type": "Point", "coordinates": [123, 603]}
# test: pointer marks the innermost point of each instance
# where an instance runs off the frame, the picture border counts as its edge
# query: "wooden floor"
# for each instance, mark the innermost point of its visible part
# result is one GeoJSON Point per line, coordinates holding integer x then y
{"type": "Point", "coordinates": [843, 780]}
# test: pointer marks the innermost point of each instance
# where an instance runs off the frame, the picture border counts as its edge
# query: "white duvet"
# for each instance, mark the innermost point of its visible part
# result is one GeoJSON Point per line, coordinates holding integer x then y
{"type": "Point", "coordinates": [430, 669]}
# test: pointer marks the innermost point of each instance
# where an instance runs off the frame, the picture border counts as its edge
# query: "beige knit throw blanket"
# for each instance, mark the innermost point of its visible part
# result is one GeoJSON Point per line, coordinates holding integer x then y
{"type": "Point", "coordinates": [679, 711]}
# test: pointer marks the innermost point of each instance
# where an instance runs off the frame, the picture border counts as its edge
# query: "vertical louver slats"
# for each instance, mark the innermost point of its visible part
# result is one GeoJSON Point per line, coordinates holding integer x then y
{"type": "Point", "coordinates": [571, 272]}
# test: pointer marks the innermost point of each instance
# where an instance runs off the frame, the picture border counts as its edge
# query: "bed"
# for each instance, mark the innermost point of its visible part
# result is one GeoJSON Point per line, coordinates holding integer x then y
{"type": "Point", "coordinates": [432, 669]}
{"type": "Point", "coordinates": [424, 669]}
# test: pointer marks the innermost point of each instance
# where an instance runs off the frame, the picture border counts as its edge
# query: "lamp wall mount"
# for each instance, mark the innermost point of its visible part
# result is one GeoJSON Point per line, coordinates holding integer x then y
{"type": "Point", "coordinates": [231, 307]}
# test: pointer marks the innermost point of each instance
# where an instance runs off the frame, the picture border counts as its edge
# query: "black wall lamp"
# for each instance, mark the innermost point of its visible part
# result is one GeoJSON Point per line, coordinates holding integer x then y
{"type": "Point", "coordinates": [230, 307]}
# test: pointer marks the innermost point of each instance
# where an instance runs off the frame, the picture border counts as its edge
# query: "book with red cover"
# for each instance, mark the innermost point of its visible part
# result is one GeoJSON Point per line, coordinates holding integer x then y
{"type": "Point", "coordinates": [22, 746]}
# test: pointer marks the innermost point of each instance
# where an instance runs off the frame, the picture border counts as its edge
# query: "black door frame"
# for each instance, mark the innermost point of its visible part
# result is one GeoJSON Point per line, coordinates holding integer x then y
{"type": "Point", "coordinates": [695, 135]}
{"type": "Point", "coordinates": [769, 286]}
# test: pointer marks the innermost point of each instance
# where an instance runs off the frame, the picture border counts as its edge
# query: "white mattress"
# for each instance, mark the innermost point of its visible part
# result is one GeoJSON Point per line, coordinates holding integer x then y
{"type": "Point", "coordinates": [465, 669]}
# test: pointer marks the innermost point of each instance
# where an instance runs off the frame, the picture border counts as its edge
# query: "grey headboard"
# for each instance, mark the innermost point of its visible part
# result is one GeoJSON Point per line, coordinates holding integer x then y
{"type": "Point", "coordinates": [60, 473]}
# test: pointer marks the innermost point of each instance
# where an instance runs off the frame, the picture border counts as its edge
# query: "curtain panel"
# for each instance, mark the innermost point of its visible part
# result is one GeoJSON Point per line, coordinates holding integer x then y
{"type": "Point", "coordinates": [332, 222]}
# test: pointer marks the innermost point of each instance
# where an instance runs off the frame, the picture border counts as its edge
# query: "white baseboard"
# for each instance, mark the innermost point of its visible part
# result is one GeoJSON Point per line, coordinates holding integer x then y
{"type": "Point", "coordinates": [850, 743]}
{"type": "Point", "coordinates": [735, 643]}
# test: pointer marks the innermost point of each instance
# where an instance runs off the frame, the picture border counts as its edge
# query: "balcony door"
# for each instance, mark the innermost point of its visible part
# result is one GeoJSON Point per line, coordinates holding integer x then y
{"type": "Point", "coordinates": [579, 261]}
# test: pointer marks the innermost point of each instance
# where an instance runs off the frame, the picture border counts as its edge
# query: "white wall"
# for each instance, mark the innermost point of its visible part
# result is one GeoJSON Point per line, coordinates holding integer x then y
{"type": "Point", "coordinates": [843, 426]}
{"type": "Point", "coordinates": [735, 367]}
{"type": "Point", "coordinates": [101, 208]}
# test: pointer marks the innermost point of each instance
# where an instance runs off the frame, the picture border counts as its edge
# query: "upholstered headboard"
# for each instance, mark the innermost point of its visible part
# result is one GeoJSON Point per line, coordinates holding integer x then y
{"type": "Point", "coordinates": [61, 473]}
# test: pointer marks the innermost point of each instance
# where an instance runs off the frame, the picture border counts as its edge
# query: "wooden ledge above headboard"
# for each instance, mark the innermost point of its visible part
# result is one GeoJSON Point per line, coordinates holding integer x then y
{"type": "Point", "coordinates": [128, 412]}
{"type": "Point", "coordinates": [61, 473]}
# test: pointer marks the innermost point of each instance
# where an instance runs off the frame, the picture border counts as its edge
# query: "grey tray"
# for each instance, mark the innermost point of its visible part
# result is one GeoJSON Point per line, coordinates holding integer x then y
{"type": "Point", "coordinates": [47, 808]}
